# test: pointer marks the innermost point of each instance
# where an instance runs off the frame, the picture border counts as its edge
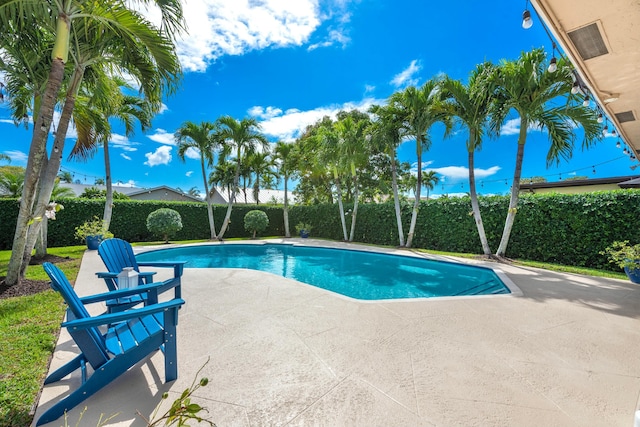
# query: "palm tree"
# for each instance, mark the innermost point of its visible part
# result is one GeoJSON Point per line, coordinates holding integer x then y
{"type": "Point", "coordinates": [283, 159]}
{"type": "Point", "coordinates": [470, 104]}
{"type": "Point", "coordinates": [387, 135]}
{"type": "Point", "coordinates": [4, 157]}
{"type": "Point", "coordinates": [203, 139]}
{"type": "Point", "coordinates": [12, 183]}
{"type": "Point", "coordinates": [353, 152]}
{"type": "Point", "coordinates": [65, 177]}
{"type": "Point", "coordinates": [536, 95]}
{"type": "Point", "coordinates": [23, 16]}
{"type": "Point", "coordinates": [223, 175]}
{"type": "Point", "coordinates": [430, 180]}
{"type": "Point", "coordinates": [194, 192]}
{"type": "Point", "coordinates": [420, 108]}
{"type": "Point", "coordinates": [241, 138]}
{"type": "Point", "coordinates": [261, 166]}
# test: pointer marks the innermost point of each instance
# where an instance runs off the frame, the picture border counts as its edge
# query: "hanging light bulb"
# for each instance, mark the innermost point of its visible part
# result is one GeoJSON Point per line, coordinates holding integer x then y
{"type": "Point", "coordinates": [600, 118]}
{"type": "Point", "coordinates": [618, 144]}
{"type": "Point", "coordinates": [605, 130]}
{"type": "Point", "coordinates": [625, 151]}
{"type": "Point", "coordinates": [553, 64]}
{"type": "Point", "coordinates": [594, 169]}
{"type": "Point", "coordinates": [55, 149]}
{"type": "Point", "coordinates": [527, 22]}
{"type": "Point", "coordinates": [614, 133]}
{"type": "Point", "coordinates": [575, 88]}
{"type": "Point", "coordinates": [585, 103]}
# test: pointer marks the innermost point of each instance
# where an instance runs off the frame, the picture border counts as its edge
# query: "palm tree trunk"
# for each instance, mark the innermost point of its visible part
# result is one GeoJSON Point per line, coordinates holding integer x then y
{"type": "Point", "coordinates": [396, 198]}
{"type": "Point", "coordinates": [227, 217]}
{"type": "Point", "coordinates": [41, 241]}
{"type": "Point", "coordinates": [416, 203]}
{"type": "Point", "coordinates": [108, 204]}
{"type": "Point", "coordinates": [287, 232]}
{"type": "Point", "coordinates": [515, 190]}
{"type": "Point", "coordinates": [341, 207]}
{"type": "Point", "coordinates": [476, 207]}
{"type": "Point", "coordinates": [355, 210]}
{"type": "Point", "coordinates": [50, 169]}
{"type": "Point", "coordinates": [37, 152]}
{"type": "Point", "coordinates": [207, 199]}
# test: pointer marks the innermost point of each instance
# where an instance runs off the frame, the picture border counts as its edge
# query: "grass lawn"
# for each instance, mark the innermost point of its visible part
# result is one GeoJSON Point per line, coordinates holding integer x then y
{"type": "Point", "coordinates": [29, 327]}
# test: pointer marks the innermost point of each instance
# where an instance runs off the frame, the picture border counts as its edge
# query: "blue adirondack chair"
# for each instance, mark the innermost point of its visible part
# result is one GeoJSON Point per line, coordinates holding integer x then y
{"type": "Point", "coordinates": [118, 254]}
{"type": "Point", "coordinates": [130, 337]}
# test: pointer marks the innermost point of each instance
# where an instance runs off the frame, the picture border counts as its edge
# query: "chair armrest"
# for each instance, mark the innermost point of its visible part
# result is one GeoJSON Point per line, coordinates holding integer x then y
{"type": "Point", "coordinates": [178, 266]}
{"type": "Point", "coordinates": [119, 293]}
{"type": "Point", "coordinates": [147, 276]}
{"type": "Point", "coordinates": [107, 274]}
{"type": "Point", "coordinates": [108, 319]}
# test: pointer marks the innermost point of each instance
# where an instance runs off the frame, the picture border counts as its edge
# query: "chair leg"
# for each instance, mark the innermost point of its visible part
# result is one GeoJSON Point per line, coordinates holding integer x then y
{"type": "Point", "coordinates": [66, 369]}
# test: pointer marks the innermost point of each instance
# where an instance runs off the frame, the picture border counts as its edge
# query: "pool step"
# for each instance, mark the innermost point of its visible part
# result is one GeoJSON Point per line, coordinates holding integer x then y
{"type": "Point", "coordinates": [487, 288]}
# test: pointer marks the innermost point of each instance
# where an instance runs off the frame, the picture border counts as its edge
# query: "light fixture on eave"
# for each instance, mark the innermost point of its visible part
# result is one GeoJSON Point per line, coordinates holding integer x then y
{"type": "Point", "coordinates": [527, 22]}
{"type": "Point", "coordinates": [586, 101]}
{"type": "Point", "coordinates": [610, 97]}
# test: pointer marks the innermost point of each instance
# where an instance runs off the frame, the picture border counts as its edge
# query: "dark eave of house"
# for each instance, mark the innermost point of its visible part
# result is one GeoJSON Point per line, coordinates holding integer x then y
{"type": "Point", "coordinates": [621, 180]}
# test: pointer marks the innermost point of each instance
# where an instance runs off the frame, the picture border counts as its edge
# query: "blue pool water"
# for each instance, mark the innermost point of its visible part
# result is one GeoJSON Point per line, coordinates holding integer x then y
{"type": "Point", "coordinates": [357, 274]}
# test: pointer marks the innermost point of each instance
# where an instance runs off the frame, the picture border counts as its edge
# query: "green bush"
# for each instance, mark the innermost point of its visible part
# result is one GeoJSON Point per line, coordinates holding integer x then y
{"type": "Point", "coordinates": [164, 222]}
{"type": "Point", "coordinates": [255, 221]}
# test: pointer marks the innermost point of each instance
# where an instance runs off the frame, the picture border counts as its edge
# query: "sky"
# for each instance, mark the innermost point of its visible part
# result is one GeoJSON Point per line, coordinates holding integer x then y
{"type": "Point", "coordinates": [289, 63]}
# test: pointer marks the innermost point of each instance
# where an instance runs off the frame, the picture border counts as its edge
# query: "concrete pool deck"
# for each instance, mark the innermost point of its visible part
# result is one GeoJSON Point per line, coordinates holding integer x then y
{"type": "Point", "coordinates": [565, 353]}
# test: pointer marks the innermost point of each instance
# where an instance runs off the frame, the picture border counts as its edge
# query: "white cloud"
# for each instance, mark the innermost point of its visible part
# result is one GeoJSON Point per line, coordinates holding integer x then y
{"type": "Point", "coordinates": [369, 89]}
{"type": "Point", "coordinates": [234, 27]}
{"type": "Point", "coordinates": [163, 108]}
{"type": "Point", "coordinates": [406, 77]}
{"type": "Point", "coordinates": [189, 173]}
{"type": "Point", "coordinates": [462, 172]}
{"type": "Point", "coordinates": [163, 137]}
{"type": "Point", "coordinates": [17, 156]}
{"type": "Point", "coordinates": [124, 156]}
{"type": "Point", "coordinates": [336, 37]}
{"type": "Point", "coordinates": [192, 153]}
{"type": "Point", "coordinates": [131, 183]}
{"type": "Point", "coordinates": [264, 113]}
{"type": "Point", "coordinates": [162, 156]}
{"type": "Point", "coordinates": [289, 125]}
{"type": "Point", "coordinates": [122, 142]}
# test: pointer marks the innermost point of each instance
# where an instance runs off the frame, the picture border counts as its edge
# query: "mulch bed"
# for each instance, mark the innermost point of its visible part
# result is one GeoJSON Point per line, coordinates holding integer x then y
{"type": "Point", "coordinates": [26, 286]}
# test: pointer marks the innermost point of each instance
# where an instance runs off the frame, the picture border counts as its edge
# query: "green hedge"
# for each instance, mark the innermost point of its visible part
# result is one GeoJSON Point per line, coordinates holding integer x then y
{"type": "Point", "coordinates": [567, 229]}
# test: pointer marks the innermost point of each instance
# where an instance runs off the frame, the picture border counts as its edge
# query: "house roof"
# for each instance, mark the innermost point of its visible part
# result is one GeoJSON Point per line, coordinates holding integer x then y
{"type": "Point", "coordinates": [264, 196]}
{"type": "Point", "coordinates": [620, 180]}
{"type": "Point", "coordinates": [162, 188]}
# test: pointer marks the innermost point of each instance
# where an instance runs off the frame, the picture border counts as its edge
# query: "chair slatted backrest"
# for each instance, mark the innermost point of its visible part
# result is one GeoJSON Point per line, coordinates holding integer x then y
{"type": "Point", "coordinates": [90, 340]}
{"type": "Point", "coordinates": [117, 254]}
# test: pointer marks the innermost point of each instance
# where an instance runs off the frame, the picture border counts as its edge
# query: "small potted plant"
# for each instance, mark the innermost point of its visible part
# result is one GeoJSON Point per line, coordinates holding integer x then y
{"type": "Point", "coordinates": [627, 257]}
{"type": "Point", "coordinates": [303, 229]}
{"type": "Point", "coordinates": [93, 232]}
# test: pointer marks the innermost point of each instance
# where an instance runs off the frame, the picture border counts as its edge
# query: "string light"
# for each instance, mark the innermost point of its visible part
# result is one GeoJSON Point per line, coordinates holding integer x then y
{"type": "Point", "coordinates": [618, 144]}
{"type": "Point", "coordinates": [553, 64]}
{"type": "Point", "coordinates": [527, 22]}
{"type": "Point", "coordinates": [585, 103]}
{"type": "Point", "coordinates": [575, 88]}
{"type": "Point", "coordinates": [600, 118]}
{"type": "Point", "coordinates": [594, 169]}
{"type": "Point", "coordinates": [614, 133]}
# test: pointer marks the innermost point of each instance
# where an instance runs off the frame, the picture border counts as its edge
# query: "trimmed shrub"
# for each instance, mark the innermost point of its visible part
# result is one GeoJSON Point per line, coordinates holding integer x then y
{"type": "Point", "coordinates": [255, 221]}
{"type": "Point", "coordinates": [164, 222]}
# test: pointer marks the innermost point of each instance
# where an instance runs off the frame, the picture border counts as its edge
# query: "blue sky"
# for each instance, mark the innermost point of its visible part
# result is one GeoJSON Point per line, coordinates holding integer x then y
{"type": "Point", "coordinates": [288, 63]}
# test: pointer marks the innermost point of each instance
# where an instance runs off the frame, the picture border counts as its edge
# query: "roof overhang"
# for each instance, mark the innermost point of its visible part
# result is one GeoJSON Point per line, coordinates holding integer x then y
{"type": "Point", "coordinates": [613, 78]}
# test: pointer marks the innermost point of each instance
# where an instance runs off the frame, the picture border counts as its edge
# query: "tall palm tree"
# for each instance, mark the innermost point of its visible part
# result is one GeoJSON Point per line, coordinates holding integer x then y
{"type": "Point", "coordinates": [470, 104]}
{"type": "Point", "coordinates": [223, 175]}
{"type": "Point", "coordinates": [387, 134]}
{"type": "Point", "coordinates": [25, 16]}
{"type": "Point", "coordinates": [283, 159]}
{"type": "Point", "coordinates": [12, 183]}
{"type": "Point", "coordinates": [353, 153]}
{"type": "Point", "coordinates": [420, 108]}
{"type": "Point", "coordinates": [240, 138]}
{"type": "Point", "coordinates": [65, 176]}
{"type": "Point", "coordinates": [542, 99]}
{"type": "Point", "coordinates": [4, 157]}
{"type": "Point", "coordinates": [202, 138]}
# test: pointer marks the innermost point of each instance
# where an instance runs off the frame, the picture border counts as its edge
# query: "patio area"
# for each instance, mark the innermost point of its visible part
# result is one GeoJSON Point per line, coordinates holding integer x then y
{"type": "Point", "coordinates": [565, 353]}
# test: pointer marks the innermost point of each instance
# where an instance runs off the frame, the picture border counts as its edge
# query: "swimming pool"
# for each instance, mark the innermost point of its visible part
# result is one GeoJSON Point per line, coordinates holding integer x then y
{"type": "Point", "coordinates": [357, 274]}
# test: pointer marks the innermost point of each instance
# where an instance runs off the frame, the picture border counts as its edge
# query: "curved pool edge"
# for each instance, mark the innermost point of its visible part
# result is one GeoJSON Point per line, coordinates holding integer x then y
{"type": "Point", "coordinates": [514, 290]}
